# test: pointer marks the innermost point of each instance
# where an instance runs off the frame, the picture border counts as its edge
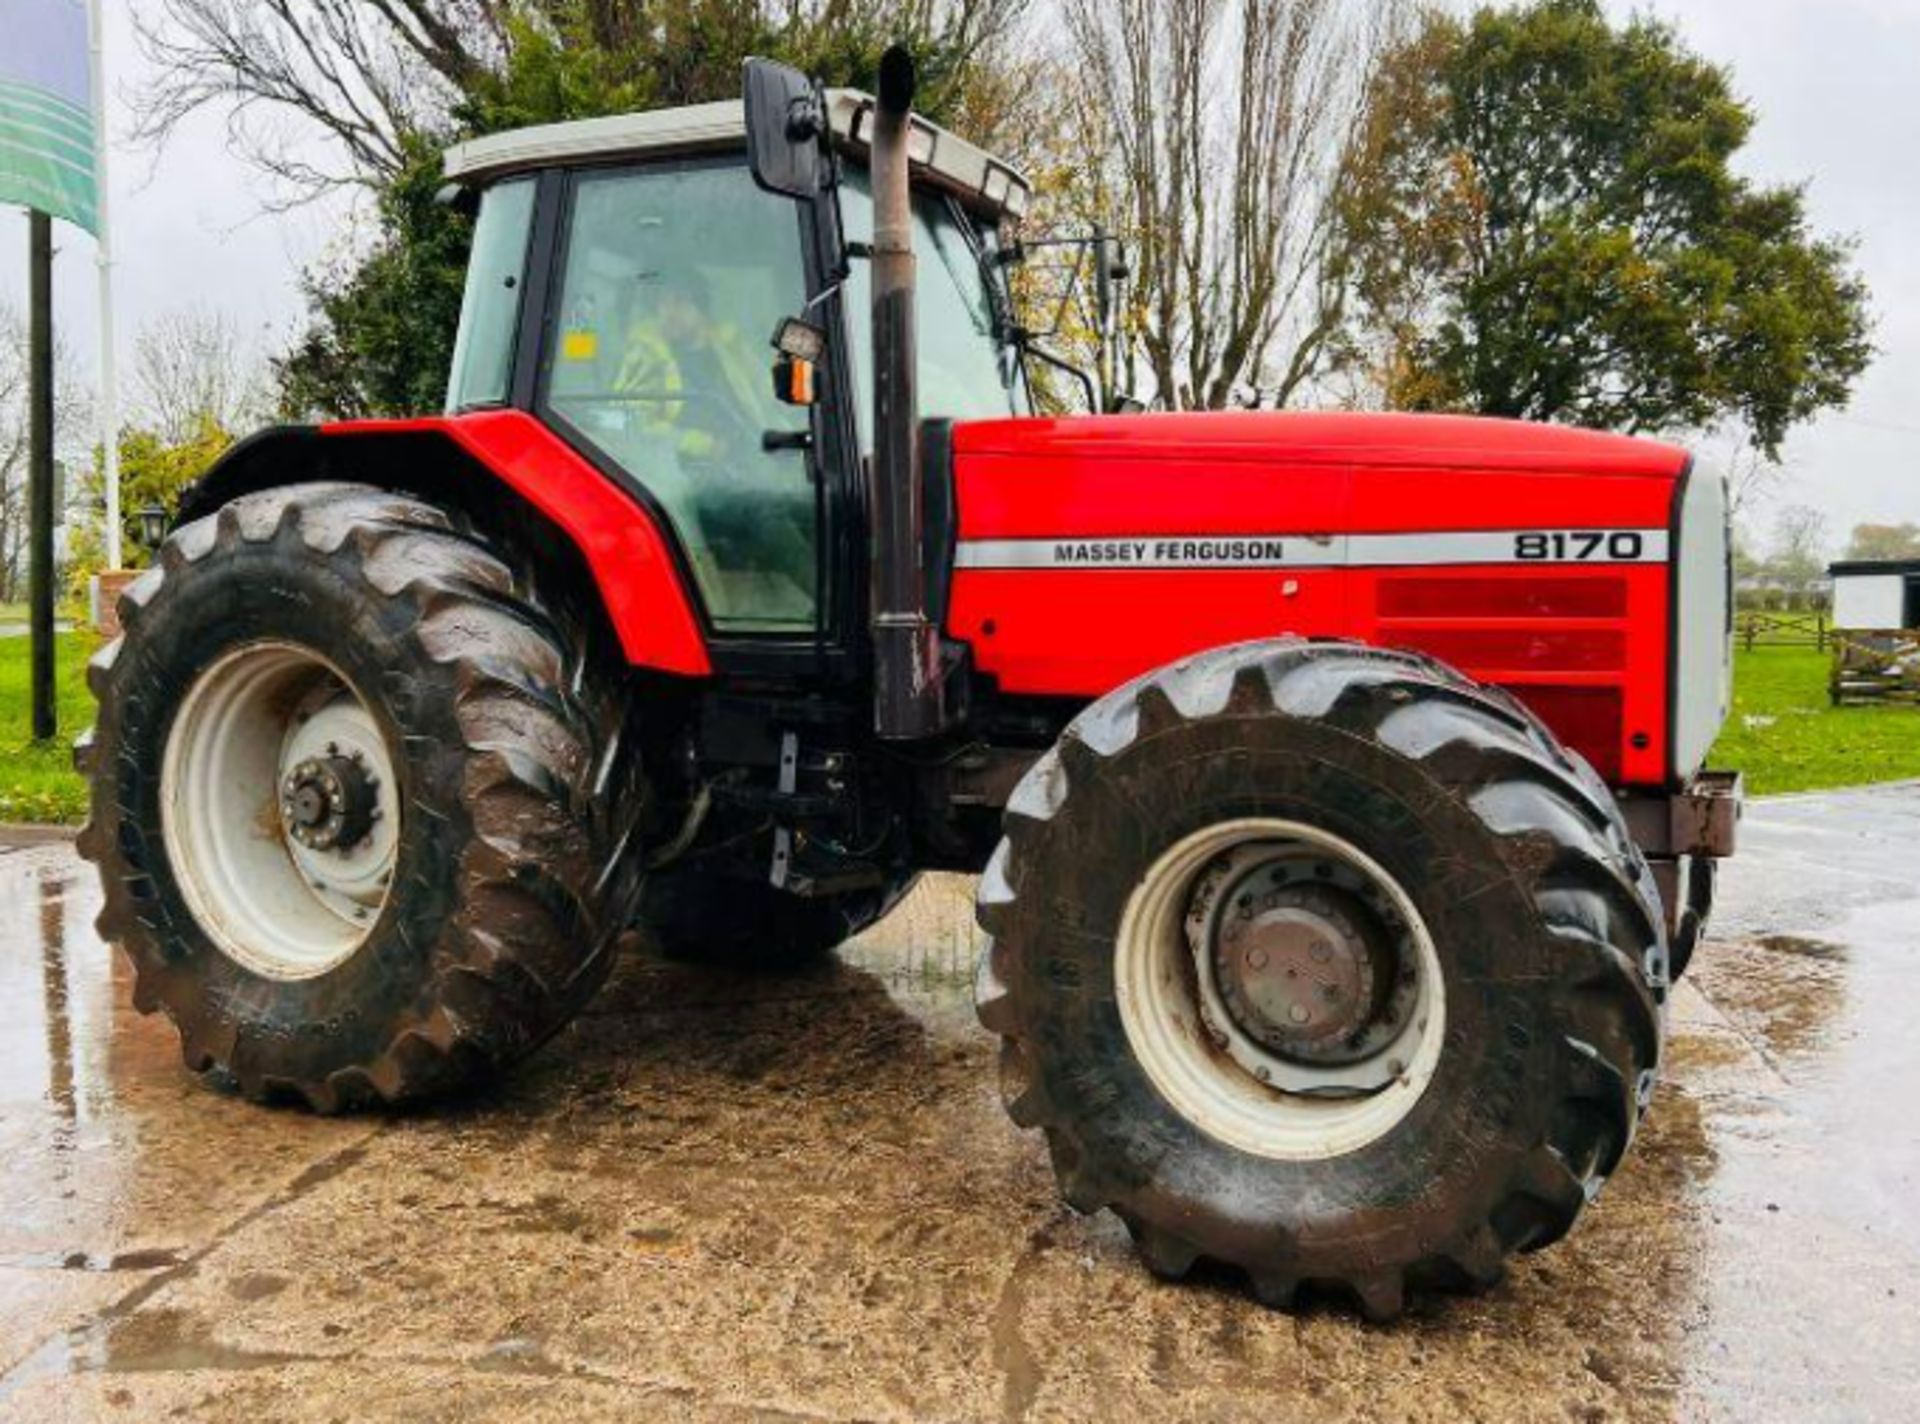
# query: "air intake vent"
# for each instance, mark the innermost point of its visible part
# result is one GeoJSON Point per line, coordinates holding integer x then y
{"type": "Point", "coordinates": [1430, 597]}
{"type": "Point", "coordinates": [1559, 643]}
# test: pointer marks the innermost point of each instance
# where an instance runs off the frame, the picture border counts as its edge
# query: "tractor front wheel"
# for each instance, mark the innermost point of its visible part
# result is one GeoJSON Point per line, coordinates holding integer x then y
{"type": "Point", "coordinates": [1320, 962]}
{"type": "Point", "coordinates": [341, 803]}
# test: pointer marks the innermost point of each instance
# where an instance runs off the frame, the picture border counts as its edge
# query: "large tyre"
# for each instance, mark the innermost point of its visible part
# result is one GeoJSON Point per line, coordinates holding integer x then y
{"type": "Point", "coordinates": [1456, 1013]}
{"type": "Point", "coordinates": [343, 802]}
{"type": "Point", "coordinates": [701, 914]}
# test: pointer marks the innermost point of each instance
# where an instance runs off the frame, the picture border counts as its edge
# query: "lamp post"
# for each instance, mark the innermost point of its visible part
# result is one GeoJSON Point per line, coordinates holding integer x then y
{"type": "Point", "coordinates": [153, 526]}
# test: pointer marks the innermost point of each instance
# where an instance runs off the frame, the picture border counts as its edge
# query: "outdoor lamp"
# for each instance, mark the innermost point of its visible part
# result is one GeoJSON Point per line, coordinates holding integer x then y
{"type": "Point", "coordinates": [153, 525]}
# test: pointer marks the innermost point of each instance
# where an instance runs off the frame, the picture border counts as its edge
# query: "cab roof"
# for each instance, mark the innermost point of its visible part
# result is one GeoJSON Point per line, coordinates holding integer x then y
{"type": "Point", "coordinates": [981, 182]}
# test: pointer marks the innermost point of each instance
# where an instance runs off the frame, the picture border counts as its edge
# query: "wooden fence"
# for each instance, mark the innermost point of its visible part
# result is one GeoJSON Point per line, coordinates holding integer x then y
{"type": "Point", "coordinates": [1783, 630]}
{"type": "Point", "coordinates": [1874, 666]}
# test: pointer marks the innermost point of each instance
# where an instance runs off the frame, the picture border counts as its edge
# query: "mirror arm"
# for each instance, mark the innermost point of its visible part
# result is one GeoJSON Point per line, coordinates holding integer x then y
{"type": "Point", "coordinates": [1045, 357]}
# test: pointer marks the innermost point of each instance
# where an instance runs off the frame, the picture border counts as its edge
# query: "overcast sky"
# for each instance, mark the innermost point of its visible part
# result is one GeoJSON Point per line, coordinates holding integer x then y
{"type": "Point", "coordinates": [1836, 84]}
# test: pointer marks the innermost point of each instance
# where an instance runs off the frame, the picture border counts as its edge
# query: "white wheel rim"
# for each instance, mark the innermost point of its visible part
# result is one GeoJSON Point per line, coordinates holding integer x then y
{"type": "Point", "coordinates": [1180, 1037]}
{"type": "Point", "coordinates": [282, 909]}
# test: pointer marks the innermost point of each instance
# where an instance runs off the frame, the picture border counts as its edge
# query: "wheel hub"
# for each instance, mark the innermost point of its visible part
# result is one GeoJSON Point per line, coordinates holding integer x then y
{"type": "Point", "coordinates": [1305, 969]}
{"type": "Point", "coordinates": [330, 802]}
{"type": "Point", "coordinates": [1297, 971]}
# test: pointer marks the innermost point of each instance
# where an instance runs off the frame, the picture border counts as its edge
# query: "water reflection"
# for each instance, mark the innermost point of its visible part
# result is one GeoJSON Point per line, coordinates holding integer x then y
{"type": "Point", "coordinates": [57, 993]}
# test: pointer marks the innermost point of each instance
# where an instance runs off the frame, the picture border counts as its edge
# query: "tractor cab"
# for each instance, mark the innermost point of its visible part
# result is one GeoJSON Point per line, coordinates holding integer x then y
{"type": "Point", "coordinates": [627, 280]}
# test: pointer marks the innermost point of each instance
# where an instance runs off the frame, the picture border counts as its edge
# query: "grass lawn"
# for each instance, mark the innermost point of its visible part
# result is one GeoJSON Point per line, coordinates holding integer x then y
{"type": "Point", "coordinates": [1786, 736]}
{"type": "Point", "coordinates": [38, 782]}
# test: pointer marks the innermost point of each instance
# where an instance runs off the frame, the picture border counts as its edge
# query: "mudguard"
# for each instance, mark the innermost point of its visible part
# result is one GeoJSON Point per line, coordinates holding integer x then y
{"type": "Point", "coordinates": [622, 543]}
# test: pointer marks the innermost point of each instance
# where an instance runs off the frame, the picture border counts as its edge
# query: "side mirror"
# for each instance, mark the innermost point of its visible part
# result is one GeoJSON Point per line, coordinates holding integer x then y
{"type": "Point", "coordinates": [785, 126]}
{"type": "Point", "coordinates": [802, 346]}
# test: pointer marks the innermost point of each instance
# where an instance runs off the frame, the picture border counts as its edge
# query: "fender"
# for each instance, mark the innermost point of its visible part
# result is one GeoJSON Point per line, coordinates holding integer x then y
{"type": "Point", "coordinates": [624, 548]}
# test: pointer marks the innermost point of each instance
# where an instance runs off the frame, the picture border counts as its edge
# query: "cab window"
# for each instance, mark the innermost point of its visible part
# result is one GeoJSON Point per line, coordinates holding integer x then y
{"type": "Point", "coordinates": [966, 371]}
{"type": "Point", "coordinates": [675, 278]}
{"type": "Point", "coordinates": [490, 313]}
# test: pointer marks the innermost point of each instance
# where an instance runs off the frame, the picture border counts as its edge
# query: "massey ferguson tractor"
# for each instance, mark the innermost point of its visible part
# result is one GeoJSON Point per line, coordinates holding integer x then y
{"type": "Point", "coordinates": [1334, 781]}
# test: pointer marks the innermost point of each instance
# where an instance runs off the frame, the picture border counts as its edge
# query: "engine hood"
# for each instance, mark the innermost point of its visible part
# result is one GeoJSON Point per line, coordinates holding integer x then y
{"type": "Point", "coordinates": [1534, 557]}
{"type": "Point", "coordinates": [1330, 437]}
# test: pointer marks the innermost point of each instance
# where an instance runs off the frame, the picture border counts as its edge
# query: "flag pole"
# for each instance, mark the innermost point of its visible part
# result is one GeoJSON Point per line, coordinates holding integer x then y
{"type": "Point", "coordinates": [109, 356]}
{"type": "Point", "coordinates": [40, 435]}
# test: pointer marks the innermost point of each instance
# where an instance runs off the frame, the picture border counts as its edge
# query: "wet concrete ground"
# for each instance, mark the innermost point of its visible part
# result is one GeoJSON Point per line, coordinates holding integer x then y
{"type": "Point", "coordinates": [720, 1198]}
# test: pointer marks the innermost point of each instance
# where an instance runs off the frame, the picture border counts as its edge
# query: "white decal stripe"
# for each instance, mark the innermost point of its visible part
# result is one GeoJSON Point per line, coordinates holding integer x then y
{"type": "Point", "coordinates": [1299, 551]}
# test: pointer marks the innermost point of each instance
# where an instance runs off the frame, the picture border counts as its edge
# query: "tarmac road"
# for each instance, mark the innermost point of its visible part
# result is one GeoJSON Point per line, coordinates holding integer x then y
{"type": "Point", "coordinates": [720, 1198]}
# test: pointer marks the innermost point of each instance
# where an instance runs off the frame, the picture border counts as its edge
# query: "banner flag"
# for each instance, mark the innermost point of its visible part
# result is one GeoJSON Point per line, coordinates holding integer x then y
{"type": "Point", "coordinates": [47, 155]}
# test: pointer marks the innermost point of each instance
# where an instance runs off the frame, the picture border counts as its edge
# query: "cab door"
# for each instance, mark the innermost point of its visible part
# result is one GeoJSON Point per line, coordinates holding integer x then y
{"type": "Point", "coordinates": [671, 278]}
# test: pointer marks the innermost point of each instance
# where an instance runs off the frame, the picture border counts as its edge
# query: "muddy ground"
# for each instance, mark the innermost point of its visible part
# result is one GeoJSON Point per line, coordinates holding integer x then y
{"type": "Point", "coordinates": [721, 1198]}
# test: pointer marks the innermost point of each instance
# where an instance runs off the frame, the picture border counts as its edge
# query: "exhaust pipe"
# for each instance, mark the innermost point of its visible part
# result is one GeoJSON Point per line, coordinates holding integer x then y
{"type": "Point", "coordinates": [906, 653]}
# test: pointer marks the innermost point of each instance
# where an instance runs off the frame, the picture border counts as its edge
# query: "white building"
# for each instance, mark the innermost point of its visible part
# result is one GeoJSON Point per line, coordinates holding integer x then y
{"type": "Point", "coordinates": [1876, 594]}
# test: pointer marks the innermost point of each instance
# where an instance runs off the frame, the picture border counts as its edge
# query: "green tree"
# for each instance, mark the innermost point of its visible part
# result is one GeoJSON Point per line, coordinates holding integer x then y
{"type": "Point", "coordinates": [153, 471]}
{"type": "Point", "coordinates": [1884, 541]}
{"type": "Point", "coordinates": [379, 341]}
{"type": "Point", "coordinates": [1554, 230]}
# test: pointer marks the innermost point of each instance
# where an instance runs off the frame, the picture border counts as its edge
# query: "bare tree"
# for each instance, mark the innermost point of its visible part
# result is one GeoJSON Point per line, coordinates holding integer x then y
{"type": "Point", "coordinates": [1226, 125]}
{"type": "Point", "coordinates": [71, 434]}
{"type": "Point", "coordinates": [1800, 534]}
{"type": "Point", "coordinates": [192, 368]}
{"type": "Point", "coordinates": [1752, 475]}
{"type": "Point", "coordinates": [364, 74]}
{"type": "Point", "coordinates": [371, 77]}
{"type": "Point", "coordinates": [1798, 559]}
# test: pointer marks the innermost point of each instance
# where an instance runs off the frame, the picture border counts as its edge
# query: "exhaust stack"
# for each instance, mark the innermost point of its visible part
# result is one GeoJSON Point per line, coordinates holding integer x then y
{"type": "Point", "coordinates": [906, 654]}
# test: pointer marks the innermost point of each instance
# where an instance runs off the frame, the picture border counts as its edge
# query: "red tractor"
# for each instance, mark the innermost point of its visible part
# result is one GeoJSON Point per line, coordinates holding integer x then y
{"type": "Point", "coordinates": [1334, 780]}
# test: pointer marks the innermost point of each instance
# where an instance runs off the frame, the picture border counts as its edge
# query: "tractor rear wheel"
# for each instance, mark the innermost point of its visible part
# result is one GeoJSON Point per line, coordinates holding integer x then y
{"type": "Point", "coordinates": [341, 800]}
{"type": "Point", "coordinates": [1320, 962]}
{"type": "Point", "coordinates": [702, 915]}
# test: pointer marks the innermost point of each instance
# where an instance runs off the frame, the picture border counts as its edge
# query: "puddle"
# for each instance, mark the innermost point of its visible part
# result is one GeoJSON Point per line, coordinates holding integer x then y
{"type": "Point", "coordinates": [154, 1341]}
{"type": "Point", "coordinates": [519, 1355]}
{"type": "Point", "coordinates": [1802, 946]}
{"type": "Point", "coordinates": [91, 1261]}
{"type": "Point", "coordinates": [1783, 993]}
